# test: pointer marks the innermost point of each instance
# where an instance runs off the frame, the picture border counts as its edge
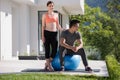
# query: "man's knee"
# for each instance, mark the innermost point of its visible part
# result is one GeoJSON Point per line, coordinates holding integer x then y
{"type": "Point", "coordinates": [81, 49]}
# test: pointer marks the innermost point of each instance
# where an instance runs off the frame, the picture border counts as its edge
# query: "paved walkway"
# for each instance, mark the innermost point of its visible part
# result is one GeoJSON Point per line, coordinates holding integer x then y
{"type": "Point", "coordinates": [21, 66]}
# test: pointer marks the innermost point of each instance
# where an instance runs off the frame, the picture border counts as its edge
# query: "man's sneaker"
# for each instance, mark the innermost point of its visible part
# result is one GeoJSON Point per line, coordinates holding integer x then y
{"type": "Point", "coordinates": [88, 69]}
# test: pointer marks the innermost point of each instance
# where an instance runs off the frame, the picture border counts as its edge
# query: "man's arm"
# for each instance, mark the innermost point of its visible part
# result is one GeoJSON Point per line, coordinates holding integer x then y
{"type": "Point", "coordinates": [79, 43]}
{"type": "Point", "coordinates": [73, 48]}
{"type": "Point", "coordinates": [62, 43]}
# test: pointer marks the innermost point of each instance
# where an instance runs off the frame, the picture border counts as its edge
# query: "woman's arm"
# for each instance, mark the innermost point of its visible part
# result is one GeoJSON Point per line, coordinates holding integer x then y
{"type": "Point", "coordinates": [58, 25]}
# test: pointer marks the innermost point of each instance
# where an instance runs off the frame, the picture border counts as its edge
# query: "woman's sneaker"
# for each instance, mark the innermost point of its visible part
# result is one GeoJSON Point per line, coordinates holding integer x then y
{"type": "Point", "coordinates": [88, 69]}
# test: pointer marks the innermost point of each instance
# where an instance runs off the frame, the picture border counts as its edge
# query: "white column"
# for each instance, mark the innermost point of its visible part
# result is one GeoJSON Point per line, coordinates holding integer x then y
{"type": "Point", "coordinates": [15, 29]}
{"type": "Point", "coordinates": [6, 30]}
{"type": "Point", "coordinates": [0, 29]}
{"type": "Point", "coordinates": [34, 29]}
{"type": "Point", "coordinates": [24, 30]}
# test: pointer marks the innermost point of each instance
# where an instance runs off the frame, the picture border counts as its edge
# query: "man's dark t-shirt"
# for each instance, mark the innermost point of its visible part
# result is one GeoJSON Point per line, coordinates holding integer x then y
{"type": "Point", "coordinates": [70, 37]}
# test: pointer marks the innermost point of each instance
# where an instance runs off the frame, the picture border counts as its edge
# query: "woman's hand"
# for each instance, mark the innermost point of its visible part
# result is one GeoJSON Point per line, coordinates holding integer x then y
{"type": "Point", "coordinates": [43, 39]}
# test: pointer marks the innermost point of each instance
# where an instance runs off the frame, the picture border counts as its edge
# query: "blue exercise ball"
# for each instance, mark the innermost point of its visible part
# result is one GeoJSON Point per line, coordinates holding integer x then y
{"type": "Point", "coordinates": [71, 62]}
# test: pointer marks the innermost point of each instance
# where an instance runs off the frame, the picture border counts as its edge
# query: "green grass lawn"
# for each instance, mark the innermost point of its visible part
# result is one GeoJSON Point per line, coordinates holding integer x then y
{"type": "Point", "coordinates": [112, 64]}
{"type": "Point", "coordinates": [41, 76]}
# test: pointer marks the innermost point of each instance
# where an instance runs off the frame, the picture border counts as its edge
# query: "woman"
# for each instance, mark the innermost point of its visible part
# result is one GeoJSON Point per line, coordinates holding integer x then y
{"type": "Point", "coordinates": [50, 26]}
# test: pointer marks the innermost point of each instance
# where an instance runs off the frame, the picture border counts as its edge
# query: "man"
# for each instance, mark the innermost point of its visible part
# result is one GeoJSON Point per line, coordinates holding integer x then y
{"type": "Point", "coordinates": [67, 40]}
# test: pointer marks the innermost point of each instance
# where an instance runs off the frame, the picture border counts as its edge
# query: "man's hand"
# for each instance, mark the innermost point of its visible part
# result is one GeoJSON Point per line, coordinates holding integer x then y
{"type": "Point", "coordinates": [75, 49]}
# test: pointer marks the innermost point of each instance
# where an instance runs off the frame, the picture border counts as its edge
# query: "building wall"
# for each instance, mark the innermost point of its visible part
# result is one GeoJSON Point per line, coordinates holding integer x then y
{"type": "Point", "coordinates": [24, 30]}
{"type": "Point", "coordinates": [6, 29]}
{"type": "Point", "coordinates": [34, 29]}
{"type": "Point", "coordinates": [65, 21]}
{"type": "Point", "coordinates": [19, 29]}
{"type": "Point", "coordinates": [15, 29]}
{"type": "Point", "coordinates": [0, 29]}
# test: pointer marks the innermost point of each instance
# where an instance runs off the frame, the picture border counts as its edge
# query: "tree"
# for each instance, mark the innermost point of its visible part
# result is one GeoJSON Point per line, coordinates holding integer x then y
{"type": "Point", "coordinates": [114, 13]}
{"type": "Point", "coordinates": [95, 29]}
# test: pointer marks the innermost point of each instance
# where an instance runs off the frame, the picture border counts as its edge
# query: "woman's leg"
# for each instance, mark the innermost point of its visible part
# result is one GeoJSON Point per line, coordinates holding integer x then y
{"type": "Point", "coordinates": [54, 46]}
{"type": "Point", "coordinates": [47, 44]}
{"type": "Point", "coordinates": [47, 50]}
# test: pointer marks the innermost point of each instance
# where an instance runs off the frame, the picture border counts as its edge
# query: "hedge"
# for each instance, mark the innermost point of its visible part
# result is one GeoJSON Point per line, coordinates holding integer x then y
{"type": "Point", "coordinates": [113, 67]}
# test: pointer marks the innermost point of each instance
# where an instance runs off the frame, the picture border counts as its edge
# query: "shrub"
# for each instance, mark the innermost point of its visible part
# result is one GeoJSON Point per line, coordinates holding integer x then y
{"type": "Point", "coordinates": [113, 67]}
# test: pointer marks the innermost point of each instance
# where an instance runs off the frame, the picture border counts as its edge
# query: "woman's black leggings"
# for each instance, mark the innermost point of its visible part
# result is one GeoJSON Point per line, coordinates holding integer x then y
{"type": "Point", "coordinates": [50, 44]}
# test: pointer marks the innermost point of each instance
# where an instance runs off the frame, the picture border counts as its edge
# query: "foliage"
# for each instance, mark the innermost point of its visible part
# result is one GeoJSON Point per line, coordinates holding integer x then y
{"type": "Point", "coordinates": [114, 13]}
{"type": "Point", "coordinates": [100, 29]}
{"type": "Point", "coordinates": [92, 53]}
{"type": "Point", "coordinates": [95, 29]}
{"type": "Point", "coordinates": [114, 8]}
{"type": "Point", "coordinates": [113, 67]}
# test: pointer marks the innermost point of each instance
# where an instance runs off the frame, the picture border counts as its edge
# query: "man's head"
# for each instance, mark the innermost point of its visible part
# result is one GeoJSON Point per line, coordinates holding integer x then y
{"type": "Point", "coordinates": [74, 24]}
